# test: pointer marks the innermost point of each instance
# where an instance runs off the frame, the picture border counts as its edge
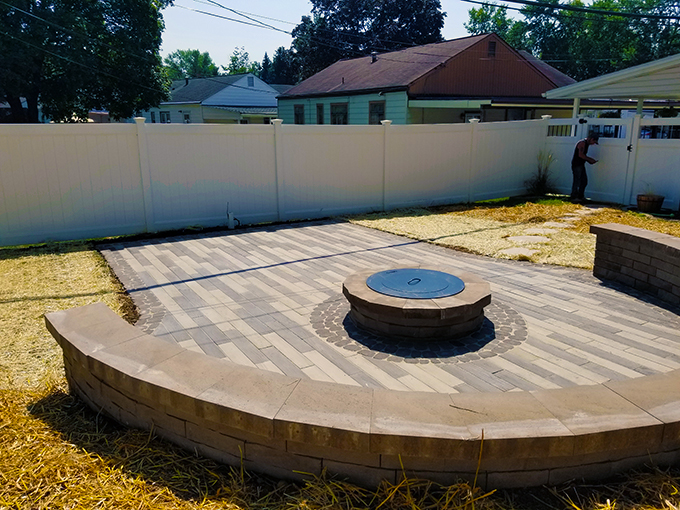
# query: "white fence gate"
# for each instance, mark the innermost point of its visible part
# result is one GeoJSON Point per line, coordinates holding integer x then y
{"type": "Point", "coordinates": [634, 156]}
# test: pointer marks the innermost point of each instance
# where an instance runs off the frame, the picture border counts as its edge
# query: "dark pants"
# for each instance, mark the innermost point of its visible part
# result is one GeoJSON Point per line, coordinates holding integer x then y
{"type": "Point", "coordinates": [578, 188]}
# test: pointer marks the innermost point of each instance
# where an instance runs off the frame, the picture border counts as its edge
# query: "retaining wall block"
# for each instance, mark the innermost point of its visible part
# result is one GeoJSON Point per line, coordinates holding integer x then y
{"type": "Point", "coordinates": [262, 455]}
{"type": "Point", "coordinates": [244, 401]}
{"type": "Point", "coordinates": [161, 420]}
{"type": "Point", "coordinates": [326, 414]}
{"type": "Point", "coordinates": [229, 445]}
{"type": "Point", "coordinates": [516, 479]}
{"type": "Point", "coordinates": [335, 454]}
{"type": "Point", "coordinates": [428, 425]}
{"type": "Point", "coordinates": [363, 476]}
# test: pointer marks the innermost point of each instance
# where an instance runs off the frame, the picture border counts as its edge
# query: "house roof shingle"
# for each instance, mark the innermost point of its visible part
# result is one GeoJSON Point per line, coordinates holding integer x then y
{"type": "Point", "coordinates": [396, 69]}
{"type": "Point", "coordinates": [399, 69]}
{"type": "Point", "coordinates": [557, 77]}
{"type": "Point", "coordinates": [197, 90]}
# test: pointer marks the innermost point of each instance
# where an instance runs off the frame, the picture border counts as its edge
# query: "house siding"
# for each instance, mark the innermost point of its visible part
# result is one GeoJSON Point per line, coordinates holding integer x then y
{"type": "Point", "coordinates": [176, 113]}
{"type": "Point", "coordinates": [476, 74]}
{"type": "Point", "coordinates": [240, 94]}
{"type": "Point", "coordinates": [358, 107]}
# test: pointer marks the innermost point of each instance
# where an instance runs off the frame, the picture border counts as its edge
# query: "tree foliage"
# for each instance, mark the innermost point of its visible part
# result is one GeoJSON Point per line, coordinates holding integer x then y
{"type": "Point", "coordinates": [190, 64]}
{"type": "Point", "coordinates": [265, 69]}
{"type": "Point", "coordinates": [352, 28]}
{"type": "Point", "coordinates": [72, 56]}
{"type": "Point", "coordinates": [284, 67]}
{"type": "Point", "coordinates": [585, 44]}
{"type": "Point", "coordinates": [240, 63]}
{"type": "Point", "coordinates": [488, 19]}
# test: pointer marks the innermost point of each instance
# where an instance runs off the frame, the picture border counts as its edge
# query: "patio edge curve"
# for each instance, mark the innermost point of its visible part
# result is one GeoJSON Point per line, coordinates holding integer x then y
{"type": "Point", "coordinates": [289, 427]}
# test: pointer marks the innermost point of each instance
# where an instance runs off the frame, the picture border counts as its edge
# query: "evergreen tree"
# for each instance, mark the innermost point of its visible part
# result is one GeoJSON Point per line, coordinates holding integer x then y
{"type": "Point", "coordinates": [284, 67]}
{"type": "Point", "coordinates": [265, 71]}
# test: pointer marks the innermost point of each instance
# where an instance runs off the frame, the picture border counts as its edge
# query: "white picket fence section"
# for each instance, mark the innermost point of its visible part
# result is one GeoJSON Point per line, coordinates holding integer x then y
{"type": "Point", "coordinates": [62, 182]}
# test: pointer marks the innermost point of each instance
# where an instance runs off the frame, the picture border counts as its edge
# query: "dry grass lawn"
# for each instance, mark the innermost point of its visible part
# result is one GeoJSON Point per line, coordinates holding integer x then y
{"type": "Point", "coordinates": [57, 453]}
{"type": "Point", "coordinates": [486, 228]}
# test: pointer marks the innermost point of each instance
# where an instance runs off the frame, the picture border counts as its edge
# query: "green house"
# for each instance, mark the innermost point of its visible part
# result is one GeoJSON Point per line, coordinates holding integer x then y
{"type": "Point", "coordinates": [449, 82]}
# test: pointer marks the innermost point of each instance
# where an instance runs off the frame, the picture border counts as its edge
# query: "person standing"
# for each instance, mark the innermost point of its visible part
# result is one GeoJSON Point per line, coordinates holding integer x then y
{"type": "Point", "coordinates": [578, 166]}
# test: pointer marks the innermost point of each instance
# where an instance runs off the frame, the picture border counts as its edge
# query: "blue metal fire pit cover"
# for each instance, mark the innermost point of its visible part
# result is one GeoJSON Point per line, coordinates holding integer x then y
{"type": "Point", "coordinates": [415, 283]}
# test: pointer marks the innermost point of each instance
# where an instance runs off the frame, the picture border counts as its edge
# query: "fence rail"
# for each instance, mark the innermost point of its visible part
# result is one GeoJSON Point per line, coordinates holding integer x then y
{"type": "Point", "coordinates": [77, 181]}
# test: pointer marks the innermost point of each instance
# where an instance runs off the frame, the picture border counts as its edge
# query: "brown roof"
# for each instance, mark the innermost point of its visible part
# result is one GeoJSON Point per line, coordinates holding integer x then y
{"type": "Point", "coordinates": [397, 70]}
{"type": "Point", "coordinates": [557, 77]}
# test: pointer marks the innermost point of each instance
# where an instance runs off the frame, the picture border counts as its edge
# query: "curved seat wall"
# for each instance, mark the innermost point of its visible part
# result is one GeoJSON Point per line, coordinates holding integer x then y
{"type": "Point", "coordinates": [284, 426]}
{"type": "Point", "coordinates": [645, 260]}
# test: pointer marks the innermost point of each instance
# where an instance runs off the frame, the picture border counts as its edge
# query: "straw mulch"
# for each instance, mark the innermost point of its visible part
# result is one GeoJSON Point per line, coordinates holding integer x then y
{"type": "Point", "coordinates": [486, 228]}
{"type": "Point", "coordinates": [40, 280]}
{"type": "Point", "coordinates": [57, 453]}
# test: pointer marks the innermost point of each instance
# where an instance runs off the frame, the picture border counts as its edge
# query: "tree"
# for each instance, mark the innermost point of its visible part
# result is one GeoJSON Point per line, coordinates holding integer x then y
{"type": "Point", "coordinates": [284, 68]}
{"type": "Point", "coordinates": [240, 63]}
{"type": "Point", "coordinates": [72, 56]}
{"type": "Point", "coordinates": [265, 69]}
{"type": "Point", "coordinates": [352, 28]}
{"type": "Point", "coordinates": [190, 64]}
{"type": "Point", "coordinates": [584, 44]}
{"type": "Point", "coordinates": [489, 19]}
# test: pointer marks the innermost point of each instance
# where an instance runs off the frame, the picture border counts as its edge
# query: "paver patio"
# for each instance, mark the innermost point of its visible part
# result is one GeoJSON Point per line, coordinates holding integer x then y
{"type": "Point", "coordinates": [270, 297]}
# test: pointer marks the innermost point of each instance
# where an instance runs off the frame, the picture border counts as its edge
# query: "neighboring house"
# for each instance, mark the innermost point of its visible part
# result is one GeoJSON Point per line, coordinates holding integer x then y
{"type": "Point", "coordinates": [230, 99]}
{"type": "Point", "coordinates": [449, 82]}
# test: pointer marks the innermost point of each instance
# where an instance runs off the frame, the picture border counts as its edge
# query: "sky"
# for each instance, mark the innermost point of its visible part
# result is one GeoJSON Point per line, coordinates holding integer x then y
{"type": "Point", "coordinates": [187, 29]}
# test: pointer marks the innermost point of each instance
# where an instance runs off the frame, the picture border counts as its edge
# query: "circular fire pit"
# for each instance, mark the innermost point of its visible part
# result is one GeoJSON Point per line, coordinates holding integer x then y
{"type": "Point", "coordinates": [421, 303]}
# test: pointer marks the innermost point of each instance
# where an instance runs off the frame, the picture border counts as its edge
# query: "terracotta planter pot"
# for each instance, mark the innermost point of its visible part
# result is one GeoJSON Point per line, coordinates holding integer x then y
{"type": "Point", "coordinates": [649, 203]}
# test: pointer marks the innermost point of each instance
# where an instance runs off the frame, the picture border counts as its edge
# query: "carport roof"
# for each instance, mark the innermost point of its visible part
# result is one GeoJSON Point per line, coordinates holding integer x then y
{"type": "Point", "coordinates": [659, 79]}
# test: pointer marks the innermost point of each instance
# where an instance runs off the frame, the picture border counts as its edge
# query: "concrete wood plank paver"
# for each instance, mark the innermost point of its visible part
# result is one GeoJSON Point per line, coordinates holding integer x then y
{"type": "Point", "coordinates": [378, 373]}
{"type": "Point", "coordinates": [248, 295]}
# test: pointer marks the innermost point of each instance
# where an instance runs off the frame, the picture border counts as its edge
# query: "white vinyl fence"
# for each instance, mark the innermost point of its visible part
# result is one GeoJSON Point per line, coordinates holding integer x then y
{"type": "Point", "coordinates": [79, 181]}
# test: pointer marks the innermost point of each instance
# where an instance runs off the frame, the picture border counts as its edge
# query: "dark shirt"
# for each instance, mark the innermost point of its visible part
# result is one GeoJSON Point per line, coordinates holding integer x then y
{"type": "Point", "coordinates": [576, 160]}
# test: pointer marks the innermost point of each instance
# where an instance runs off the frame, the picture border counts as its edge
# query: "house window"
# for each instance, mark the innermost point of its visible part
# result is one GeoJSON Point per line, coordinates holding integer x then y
{"type": "Point", "coordinates": [376, 112]}
{"type": "Point", "coordinates": [339, 113]}
{"type": "Point", "coordinates": [243, 121]}
{"type": "Point", "coordinates": [492, 49]}
{"type": "Point", "coordinates": [187, 117]}
{"type": "Point", "coordinates": [319, 113]}
{"type": "Point", "coordinates": [165, 117]}
{"type": "Point", "coordinates": [266, 120]}
{"type": "Point", "coordinates": [153, 117]}
{"type": "Point", "coordinates": [251, 81]}
{"type": "Point", "coordinates": [299, 114]}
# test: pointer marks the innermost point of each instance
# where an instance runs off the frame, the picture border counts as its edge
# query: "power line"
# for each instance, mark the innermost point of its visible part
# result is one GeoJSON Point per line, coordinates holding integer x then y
{"type": "Point", "coordinates": [245, 16]}
{"type": "Point", "coordinates": [554, 15]}
{"type": "Point", "coordinates": [94, 70]}
{"type": "Point", "coordinates": [230, 19]}
{"type": "Point", "coordinates": [564, 7]}
{"type": "Point", "coordinates": [77, 34]}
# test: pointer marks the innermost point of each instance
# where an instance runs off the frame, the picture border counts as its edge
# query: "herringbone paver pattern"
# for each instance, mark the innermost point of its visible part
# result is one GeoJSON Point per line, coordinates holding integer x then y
{"type": "Point", "coordinates": [249, 296]}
